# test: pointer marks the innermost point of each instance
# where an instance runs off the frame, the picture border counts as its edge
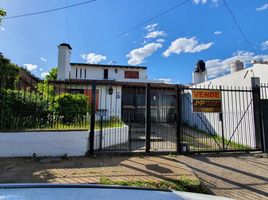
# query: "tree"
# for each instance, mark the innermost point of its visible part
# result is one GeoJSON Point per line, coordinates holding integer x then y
{"type": "Point", "coordinates": [2, 14]}
{"type": "Point", "coordinates": [52, 74]}
{"type": "Point", "coordinates": [9, 73]}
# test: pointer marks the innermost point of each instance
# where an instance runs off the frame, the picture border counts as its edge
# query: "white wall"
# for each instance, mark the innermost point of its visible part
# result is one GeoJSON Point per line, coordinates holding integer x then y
{"type": "Point", "coordinates": [241, 78]}
{"type": "Point", "coordinates": [96, 73]}
{"type": "Point", "coordinates": [72, 143]}
{"type": "Point", "coordinates": [112, 103]}
{"type": "Point", "coordinates": [111, 136]}
{"type": "Point", "coordinates": [64, 56]}
{"type": "Point", "coordinates": [237, 106]}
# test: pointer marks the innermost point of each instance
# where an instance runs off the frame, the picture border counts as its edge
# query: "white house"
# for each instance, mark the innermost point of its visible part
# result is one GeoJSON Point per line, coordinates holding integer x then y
{"type": "Point", "coordinates": [115, 74]}
{"type": "Point", "coordinates": [86, 71]}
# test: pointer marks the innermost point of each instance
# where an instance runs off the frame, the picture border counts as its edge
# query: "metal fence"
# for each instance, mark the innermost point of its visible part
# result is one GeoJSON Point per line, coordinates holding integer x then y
{"type": "Point", "coordinates": [264, 114]}
{"type": "Point", "coordinates": [232, 129]}
{"type": "Point", "coordinates": [135, 117]}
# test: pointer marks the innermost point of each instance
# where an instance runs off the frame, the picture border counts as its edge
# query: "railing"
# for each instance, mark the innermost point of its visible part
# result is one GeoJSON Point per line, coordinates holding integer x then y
{"type": "Point", "coordinates": [135, 116]}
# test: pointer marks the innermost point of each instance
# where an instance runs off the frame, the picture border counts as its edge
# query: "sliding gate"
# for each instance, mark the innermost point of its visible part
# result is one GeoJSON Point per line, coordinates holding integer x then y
{"type": "Point", "coordinates": [232, 129]}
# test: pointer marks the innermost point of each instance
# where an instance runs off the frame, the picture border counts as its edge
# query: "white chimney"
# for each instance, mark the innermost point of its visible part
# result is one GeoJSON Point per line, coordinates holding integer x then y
{"type": "Point", "coordinates": [200, 73]}
{"type": "Point", "coordinates": [64, 56]}
{"type": "Point", "coordinates": [237, 66]}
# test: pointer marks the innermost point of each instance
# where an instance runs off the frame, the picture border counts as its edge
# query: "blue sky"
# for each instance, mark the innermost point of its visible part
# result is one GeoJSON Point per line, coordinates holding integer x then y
{"type": "Point", "coordinates": [169, 45]}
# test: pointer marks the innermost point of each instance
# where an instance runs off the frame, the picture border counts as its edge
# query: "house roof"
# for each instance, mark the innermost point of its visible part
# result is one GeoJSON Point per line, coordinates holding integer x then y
{"type": "Point", "coordinates": [24, 73]}
{"type": "Point", "coordinates": [115, 66]}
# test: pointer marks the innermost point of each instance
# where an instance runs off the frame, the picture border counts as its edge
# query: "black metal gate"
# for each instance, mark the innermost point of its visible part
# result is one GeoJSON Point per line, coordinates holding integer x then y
{"type": "Point", "coordinates": [159, 118]}
{"type": "Point", "coordinates": [149, 112]}
{"type": "Point", "coordinates": [233, 129]}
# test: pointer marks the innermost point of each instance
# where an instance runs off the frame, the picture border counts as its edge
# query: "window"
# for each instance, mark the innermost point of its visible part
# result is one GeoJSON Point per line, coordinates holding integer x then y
{"type": "Point", "coordinates": [132, 74]}
{"type": "Point", "coordinates": [105, 74]}
{"type": "Point", "coordinates": [76, 72]}
{"type": "Point", "coordinates": [80, 72]}
{"type": "Point", "coordinates": [85, 73]}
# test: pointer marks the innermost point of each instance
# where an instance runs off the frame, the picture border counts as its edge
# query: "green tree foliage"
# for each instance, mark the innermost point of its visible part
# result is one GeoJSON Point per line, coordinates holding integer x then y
{"type": "Point", "coordinates": [9, 73]}
{"type": "Point", "coordinates": [2, 14]}
{"type": "Point", "coordinates": [52, 74]}
{"type": "Point", "coordinates": [70, 106]}
{"type": "Point", "coordinates": [22, 110]}
{"type": "Point", "coordinates": [46, 89]}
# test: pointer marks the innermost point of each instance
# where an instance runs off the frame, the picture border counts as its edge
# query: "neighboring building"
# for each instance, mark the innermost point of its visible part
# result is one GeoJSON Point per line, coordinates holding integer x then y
{"type": "Point", "coordinates": [239, 76]}
{"type": "Point", "coordinates": [27, 80]}
{"type": "Point", "coordinates": [237, 102]}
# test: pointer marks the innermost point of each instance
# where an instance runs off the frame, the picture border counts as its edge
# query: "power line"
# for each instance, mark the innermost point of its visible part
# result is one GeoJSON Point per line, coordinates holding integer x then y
{"type": "Point", "coordinates": [51, 10]}
{"type": "Point", "coordinates": [146, 21]}
{"type": "Point", "coordinates": [239, 27]}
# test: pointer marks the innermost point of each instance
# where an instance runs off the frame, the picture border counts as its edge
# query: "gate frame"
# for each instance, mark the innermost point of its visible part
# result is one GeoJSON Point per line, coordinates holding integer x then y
{"type": "Point", "coordinates": [178, 120]}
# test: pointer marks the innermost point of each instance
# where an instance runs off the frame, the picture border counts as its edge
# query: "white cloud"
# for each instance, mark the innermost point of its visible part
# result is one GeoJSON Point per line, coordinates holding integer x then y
{"type": "Point", "coordinates": [165, 80]}
{"type": "Point", "coordinates": [43, 59]}
{"type": "Point", "coordinates": [200, 1]}
{"type": "Point", "coordinates": [2, 28]}
{"type": "Point", "coordinates": [151, 27]}
{"type": "Point", "coordinates": [215, 2]}
{"type": "Point", "coordinates": [155, 34]}
{"type": "Point", "coordinates": [263, 7]}
{"type": "Point", "coordinates": [93, 58]}
{"type": "Point", "coordinates": [41, 69]}
{"type": "Point", "coordinates": [218, 67]}
{"type": "Point", "coordinates": [186, 45]}
{"type": "Point", "coordinates": [44, 74]}
{"type": "Point", "coordinates": [264, 45]}
{"type": "Point", "coordinates": [30, 67]}
{"type": "Point", "coordinates": [137, 56]}
{"type": "Point", "coordinates": [160, 40]}
{"type": "Point", "coordinates": [217, 32]}
{"type": "Point", "coordinates": [112, 62]}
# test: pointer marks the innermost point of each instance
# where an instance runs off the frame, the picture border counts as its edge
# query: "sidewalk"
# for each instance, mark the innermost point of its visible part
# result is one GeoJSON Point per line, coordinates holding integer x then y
{"type": "Point", "coordinates": [238, 176]}
{"type": "Point", "coordinates": [91, 170]}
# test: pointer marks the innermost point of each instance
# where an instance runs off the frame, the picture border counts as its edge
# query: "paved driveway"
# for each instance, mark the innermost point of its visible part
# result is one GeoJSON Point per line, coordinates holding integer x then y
{"type": "Point", "coordinates": [239, 176]}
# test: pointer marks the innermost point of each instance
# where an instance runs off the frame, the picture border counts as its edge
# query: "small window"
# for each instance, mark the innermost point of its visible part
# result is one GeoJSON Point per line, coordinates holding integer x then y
{"type": "Point", "coordinates": [80, 72]}
{"type": "Point", "coordinates": [132, 74]}
{"type": "Point", "coordinates": [85, 73]}
{"type": "Point", "coordinates": [105, 74]}
{"type": "Point", "coordinates": [76, 72]}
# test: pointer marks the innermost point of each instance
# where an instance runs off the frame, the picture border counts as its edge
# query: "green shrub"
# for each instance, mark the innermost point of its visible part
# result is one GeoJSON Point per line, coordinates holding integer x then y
{"type": "Point", "coordinates": [70, 107]}
{"type": "Point", "coordinates": [22, 110]}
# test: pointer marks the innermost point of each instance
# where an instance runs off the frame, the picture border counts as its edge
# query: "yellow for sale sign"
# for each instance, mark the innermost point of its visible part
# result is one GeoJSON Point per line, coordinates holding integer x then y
{"type": "Point", "coordinates": [206, 100]}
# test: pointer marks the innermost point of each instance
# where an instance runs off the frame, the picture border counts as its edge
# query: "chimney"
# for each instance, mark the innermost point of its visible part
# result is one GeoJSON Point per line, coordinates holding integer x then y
{"type": "Point", "coordinates": [237, 66]}
{"type": "Point", "coordinates": [200, 73]}
{"type": "Point", "coordinates": [64, 67]}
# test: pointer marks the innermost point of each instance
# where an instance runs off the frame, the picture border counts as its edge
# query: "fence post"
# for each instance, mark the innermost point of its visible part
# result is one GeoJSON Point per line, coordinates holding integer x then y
{"type": "Point", "coordinates": [255, 82]}
{"type": "Point", "coordinates": [178, 119]}
{"type": "Point", "coordinates": [222, 127]}
{"type": "Point", "coordinates": [148, 118]}
{"type": "Point", "coordinates": [92, 118]}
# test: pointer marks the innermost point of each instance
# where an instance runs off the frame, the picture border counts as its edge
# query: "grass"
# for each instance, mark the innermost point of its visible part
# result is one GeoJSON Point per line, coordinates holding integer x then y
{"type": "Point", "coordinates": [183, 184]}
{"type": "Point", "coordinates": [79, 125]}
{"type": "Point", "coordinates": [208, 141]}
